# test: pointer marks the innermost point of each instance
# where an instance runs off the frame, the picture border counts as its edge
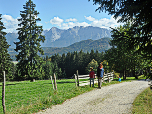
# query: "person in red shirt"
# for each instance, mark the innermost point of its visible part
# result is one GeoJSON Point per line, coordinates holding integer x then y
{"type": "Point", "coordinates": [92, 76]}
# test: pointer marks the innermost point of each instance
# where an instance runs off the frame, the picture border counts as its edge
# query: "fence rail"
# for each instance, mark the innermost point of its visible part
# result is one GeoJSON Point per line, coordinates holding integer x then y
{"type": "Point", "coordinates": [150, 83]}
{"type": "Point", "coordinates": [106, 77]}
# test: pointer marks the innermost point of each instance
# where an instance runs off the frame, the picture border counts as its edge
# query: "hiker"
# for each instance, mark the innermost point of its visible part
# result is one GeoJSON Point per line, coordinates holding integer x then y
{"type": "Point", "coordinates": [119, 79]}
{"type": "Point", "coordinates": [100, 72]}
{"type": "Point", "coordinates": [92, 76]}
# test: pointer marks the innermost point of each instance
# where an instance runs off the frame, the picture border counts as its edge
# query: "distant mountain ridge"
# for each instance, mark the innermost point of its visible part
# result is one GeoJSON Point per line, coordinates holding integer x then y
{"type": "Point", "coordinates": [86, 46]}
{"type": "Point", "coordinates": [62, 38]}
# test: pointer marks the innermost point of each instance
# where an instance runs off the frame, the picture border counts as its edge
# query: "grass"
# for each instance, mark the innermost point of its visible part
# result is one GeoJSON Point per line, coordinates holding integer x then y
{"type": "Point", "coordinates": [27, 97]}
{"type": "Point", "coordinates": [143, 103]}
{"type": "Point", "coordinates": [131, 78]}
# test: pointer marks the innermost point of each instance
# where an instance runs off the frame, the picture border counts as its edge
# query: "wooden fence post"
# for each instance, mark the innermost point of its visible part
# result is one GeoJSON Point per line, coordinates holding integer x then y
{"type": "Point", "coordinates": [103, 76]}
{"type": "Point", "coordinates": [52, 82]}
{"type": "Point", "coordinates": [3, 94]}
{"type": "Point", "coordinates": [75, 79]}
{"type": "Point", "coordinates": [55, 82]}
{"type": "Point", "coordinates": [113, 74]}
{"type": "Point", "coordinates": [108, 76]}
{"type": "Point", "coordinates": [78, 78]}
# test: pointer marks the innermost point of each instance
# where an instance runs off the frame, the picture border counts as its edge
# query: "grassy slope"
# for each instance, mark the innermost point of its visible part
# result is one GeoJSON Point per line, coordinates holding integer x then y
{"type": "Point", "coordinates": [143, 103]}
{"type": "Point", "coordinates": [27, 97]}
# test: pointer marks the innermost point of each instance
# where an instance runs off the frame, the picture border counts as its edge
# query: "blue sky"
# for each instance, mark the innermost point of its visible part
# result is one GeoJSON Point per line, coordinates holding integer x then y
{"type": "Point", "coordinates": [63, 14]}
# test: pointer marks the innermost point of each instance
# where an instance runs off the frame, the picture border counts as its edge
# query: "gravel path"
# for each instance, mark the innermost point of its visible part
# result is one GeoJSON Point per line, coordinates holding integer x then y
{"type": "Point", "coordinates": [113, 99]}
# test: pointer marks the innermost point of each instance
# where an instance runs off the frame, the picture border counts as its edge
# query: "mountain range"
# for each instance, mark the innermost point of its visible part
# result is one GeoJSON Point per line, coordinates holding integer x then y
{"type": "Point", "coordinates": [70, 40]}
{"type": "Point", "coordinates": [62, 38]}
{"type": "Point", "coordinates": [85, 45]}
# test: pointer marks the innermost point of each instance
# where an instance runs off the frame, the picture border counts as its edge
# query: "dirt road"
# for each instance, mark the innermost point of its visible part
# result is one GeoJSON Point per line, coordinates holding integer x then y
{"type": "Point", "coordinates": [113, 99]}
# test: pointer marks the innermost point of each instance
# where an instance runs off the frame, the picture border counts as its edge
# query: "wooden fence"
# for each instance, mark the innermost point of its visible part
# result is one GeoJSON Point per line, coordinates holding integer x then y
{"type": "Point", "coordinates": [150, 83]}
{"type": "Point", "coordinates": [106, 77]}
{"type": "Point", "coordinates": [3, 94]}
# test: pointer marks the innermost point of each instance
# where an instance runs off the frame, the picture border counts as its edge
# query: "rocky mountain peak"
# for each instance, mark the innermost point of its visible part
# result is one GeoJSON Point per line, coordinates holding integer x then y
{"type": "Point", "coordinates": [54, 28]}
{"type": "Point", "coordinates": [62, 38]}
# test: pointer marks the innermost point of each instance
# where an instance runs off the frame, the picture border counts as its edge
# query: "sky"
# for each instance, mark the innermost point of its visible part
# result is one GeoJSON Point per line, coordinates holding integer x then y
{"type": "Point", "coordinates": [63, 14]}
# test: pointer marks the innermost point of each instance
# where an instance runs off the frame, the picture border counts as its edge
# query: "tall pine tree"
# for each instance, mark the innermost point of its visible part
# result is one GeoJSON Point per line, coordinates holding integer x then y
{"type": "Point", "coordinates": [29, 65]}
{"type": "Point", "coordinates": [4, 56]}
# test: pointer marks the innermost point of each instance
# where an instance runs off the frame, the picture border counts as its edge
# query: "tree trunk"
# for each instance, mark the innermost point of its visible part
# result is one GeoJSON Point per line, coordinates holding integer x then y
{"type": "Point", "coordinates": [134, 73]}
{"type": "Point", "coordinates": [124, 75]}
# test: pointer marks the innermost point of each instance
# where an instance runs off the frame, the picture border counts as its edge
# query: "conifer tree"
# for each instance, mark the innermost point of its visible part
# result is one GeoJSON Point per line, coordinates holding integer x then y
{"type": "Point", "coordinates": [92, 54]}
{"type": "Point", "coordinates": [80, 65]}
{"type": "Point", "coordinates": [48, 69]}
{"type": "Point", "coordinates": [4, 56]}
{"type": "Point", "coordinates": [139, 13]}
{"type": "Point", "coordinates": [28, 46]}
{"type": "Point", "coordinates": [93, 64]}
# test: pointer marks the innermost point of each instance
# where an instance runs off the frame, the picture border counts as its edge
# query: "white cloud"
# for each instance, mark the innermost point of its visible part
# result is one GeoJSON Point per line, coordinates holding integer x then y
{"type": "Point", "coordinates": [90, 18]}
{"type": "Point", "coordinates": [72, 24]}
{"type": "Point", "coordinates": [10, 23]}
{"type": "Point", "coordinates": [39, 24]}
{"type": "Point", "coordinates": [56, 21]}
{"type": "Point", "coordinates": [69, 23]}
{"type": "Point", "coordinates": [47, 22]}
{"type": "Point", "coordinates": [104, 22]}
{"type": "Point", "coordinates": [68, 20]}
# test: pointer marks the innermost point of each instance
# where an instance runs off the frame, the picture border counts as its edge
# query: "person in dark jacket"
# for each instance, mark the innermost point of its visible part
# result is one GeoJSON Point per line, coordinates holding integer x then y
{"type": "Point", "coordinates": [100, 73]}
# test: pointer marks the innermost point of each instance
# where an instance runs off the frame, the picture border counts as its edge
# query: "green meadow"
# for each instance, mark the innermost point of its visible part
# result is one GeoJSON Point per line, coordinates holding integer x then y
{"type": "Point", "coordinates": [143, 103]}
{"type": "Point", "coordinates": [27, 97]}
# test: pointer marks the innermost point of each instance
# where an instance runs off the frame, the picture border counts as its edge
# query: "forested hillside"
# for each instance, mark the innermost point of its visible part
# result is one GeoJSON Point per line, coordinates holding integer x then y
{"type": "Point", "coordinates": [66, 65]}
{"type": "Point", "coordinates": [86, 46]}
